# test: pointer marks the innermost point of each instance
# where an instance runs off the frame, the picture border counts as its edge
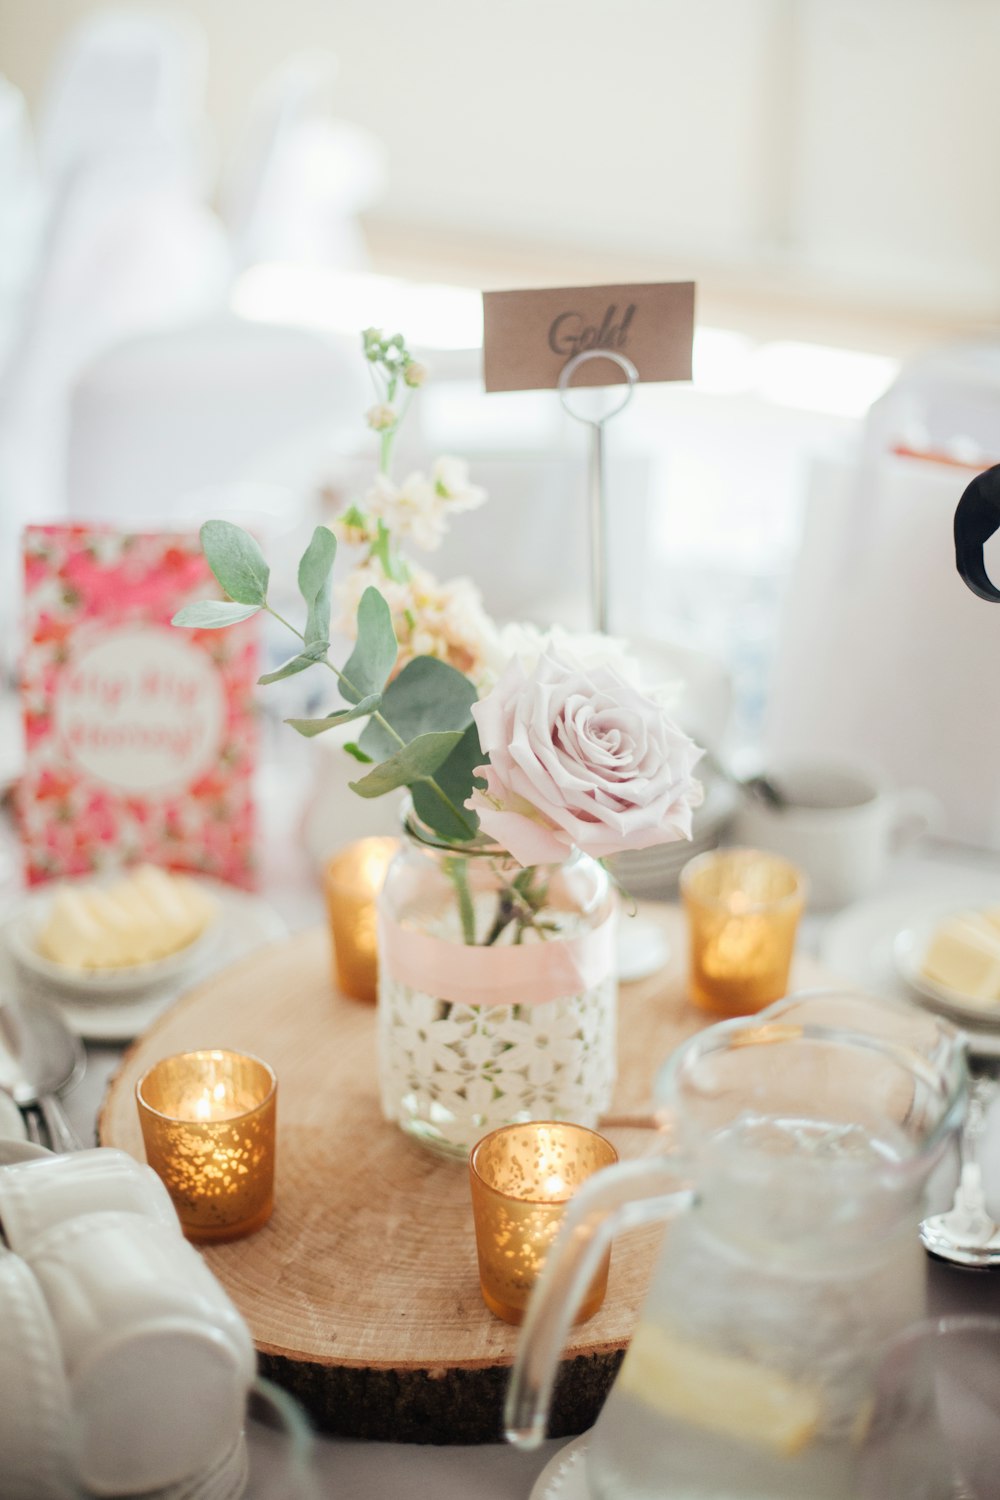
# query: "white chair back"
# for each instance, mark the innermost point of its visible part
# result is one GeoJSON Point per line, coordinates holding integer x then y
{"type": "Point", "coordinates": [214, 403]}
{"type": "Point", "coordinates": [126, 80]}
{"type": "Point", "coordinates": [300, 177]}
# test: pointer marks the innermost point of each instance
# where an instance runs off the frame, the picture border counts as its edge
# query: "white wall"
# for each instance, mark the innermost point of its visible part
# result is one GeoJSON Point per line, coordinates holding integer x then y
{"type": "Point", "coordinates": [840, 143]}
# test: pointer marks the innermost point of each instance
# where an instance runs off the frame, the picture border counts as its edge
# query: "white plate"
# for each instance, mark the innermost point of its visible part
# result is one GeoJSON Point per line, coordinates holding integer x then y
{"type": "Point", "coordinates": [910, 948]}
{"type": "Point", "coordinates": [12, 1126]}
{"type": "Point", "coordinates": [859, 944]}
{"type": "Point", "coordinates": [245, 922]}
{"type": "Point", "coordinates": [564, 1476]}
{"type": "Point", "coordinates": [20, 933]}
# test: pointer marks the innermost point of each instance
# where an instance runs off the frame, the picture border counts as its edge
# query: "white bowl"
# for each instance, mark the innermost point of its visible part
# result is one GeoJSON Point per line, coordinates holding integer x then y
{"type": "Point", "coordinates": [20, 933]}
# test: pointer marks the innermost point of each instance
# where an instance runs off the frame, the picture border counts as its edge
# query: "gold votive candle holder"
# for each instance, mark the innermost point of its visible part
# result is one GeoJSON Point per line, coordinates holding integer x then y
{"type": "Point", "coordinates": [742, 908]}
{"type": "Point", "coordinates": [208, 1125]}
{"type": "Point", "coordinates": [522, 1177]}
{"type": "Point", "coordinates": [352, 881]}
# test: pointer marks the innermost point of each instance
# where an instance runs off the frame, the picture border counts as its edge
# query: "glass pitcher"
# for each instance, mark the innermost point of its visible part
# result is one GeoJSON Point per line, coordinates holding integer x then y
{"type": "Point", "coordinates": [801, 1142]}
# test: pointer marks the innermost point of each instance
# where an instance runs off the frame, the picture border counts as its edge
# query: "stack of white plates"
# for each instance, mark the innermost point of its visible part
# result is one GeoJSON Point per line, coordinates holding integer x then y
{"type": "Point", "coordinates": [654, 873]}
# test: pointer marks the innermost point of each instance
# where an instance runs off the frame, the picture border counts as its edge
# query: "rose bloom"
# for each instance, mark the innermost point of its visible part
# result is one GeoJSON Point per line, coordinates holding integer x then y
{"type": "Point", "coordinates": [580, 758]}
{"type": "Point", "coordinates": [583, 649]}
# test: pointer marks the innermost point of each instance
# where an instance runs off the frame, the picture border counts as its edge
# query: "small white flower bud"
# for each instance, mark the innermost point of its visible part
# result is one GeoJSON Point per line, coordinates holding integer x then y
{"type": "Point", "coordinates": [380, 418]}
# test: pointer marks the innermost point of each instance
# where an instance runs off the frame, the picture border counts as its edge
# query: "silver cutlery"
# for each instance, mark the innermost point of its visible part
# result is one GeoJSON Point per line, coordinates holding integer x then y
{"type": "Point", "coordinates": [965, 1234]}
{"type": "Point", "coordinates": [40, 1058]}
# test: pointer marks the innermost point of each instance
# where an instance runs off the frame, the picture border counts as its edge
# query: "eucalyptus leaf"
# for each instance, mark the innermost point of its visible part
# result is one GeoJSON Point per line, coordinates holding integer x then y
{"type": "Point", "coordinates": [306, 658]}
{"type": "Point", "coordinates": [315, 582]}
{"type": "Point", "coordinates": [428, 695]}
{"type": "Point", "coordinates": [455, 778]}
{"type": "Point", "coordinates": [375, 652]}
{"type": "Point", "coordinates": [213, 614]}
{"type": "Point", "coordinates": [309, 728]}
{"type": "Point", "coordinates": [419, 758]}
{"type": "Point", "coordinates": [236, 560]}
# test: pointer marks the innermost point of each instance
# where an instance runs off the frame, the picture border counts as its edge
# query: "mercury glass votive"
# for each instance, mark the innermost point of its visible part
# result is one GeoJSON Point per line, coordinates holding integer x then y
{"type": "Point", "coordinates": [743, 908]}
{"type": "Point", "coordinates": [208, 1124]}
{"type": "Point", "coordinates": [351, 882]}
{"type": "Point", "coordinates": [522, 1177]}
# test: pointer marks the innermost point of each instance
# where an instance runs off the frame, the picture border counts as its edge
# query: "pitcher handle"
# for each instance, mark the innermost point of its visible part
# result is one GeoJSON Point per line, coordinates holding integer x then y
{"type": "Point", "coordinates": [622, 1197]}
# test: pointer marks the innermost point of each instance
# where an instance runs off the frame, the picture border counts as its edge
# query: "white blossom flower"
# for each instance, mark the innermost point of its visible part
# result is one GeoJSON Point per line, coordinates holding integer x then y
{"type": "Point", "coordinates": [445, 620]}
{"type": "Point", "coordinates": [451, 483]}
{"type": "Point", "coordinates": [419, 508]}
{"type": "Point", "coordinates": [415, 373]}
{"type": "Point", "coordinates": [411, 509]}
{"type": "Point", "coordinates": [352, 529]}
{"type": "Point", "coordinates": [380, 417]}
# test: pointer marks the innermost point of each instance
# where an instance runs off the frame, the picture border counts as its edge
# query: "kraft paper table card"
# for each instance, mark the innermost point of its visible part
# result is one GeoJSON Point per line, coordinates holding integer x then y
{"type": "Point", "coordinates": [141, 739]}
{"type": "Point", "coordinates": [528, 336]}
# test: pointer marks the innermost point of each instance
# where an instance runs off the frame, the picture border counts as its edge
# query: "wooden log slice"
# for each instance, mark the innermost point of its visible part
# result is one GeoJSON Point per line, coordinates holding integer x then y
{"type": "Point", "coordinates": [362, 1293]}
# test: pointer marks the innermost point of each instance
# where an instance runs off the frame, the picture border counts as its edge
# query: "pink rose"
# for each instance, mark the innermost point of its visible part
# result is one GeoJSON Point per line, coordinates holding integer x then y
{"type": "Point", "coordinates": [580, 757]}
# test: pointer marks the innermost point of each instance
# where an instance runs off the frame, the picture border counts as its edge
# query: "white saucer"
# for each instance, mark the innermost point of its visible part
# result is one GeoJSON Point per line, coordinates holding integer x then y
{"type": "Point", "coordinates": [564, 1476]}
{"type": "Point", "coordinates": [910, 948]}
{"type": "Point", "coordinates": [859, 945]}
{"type": "Point", "coordinates": [641, 948]}
{"type": "Point", "coordinates": [21, 931]}
{"type": "Point", "coordinates": [245, 922]}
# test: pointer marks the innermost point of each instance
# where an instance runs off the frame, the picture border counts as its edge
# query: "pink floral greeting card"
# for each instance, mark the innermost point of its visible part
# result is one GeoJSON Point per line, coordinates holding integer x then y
{"type": "Point", "coordinates": [141, 739]}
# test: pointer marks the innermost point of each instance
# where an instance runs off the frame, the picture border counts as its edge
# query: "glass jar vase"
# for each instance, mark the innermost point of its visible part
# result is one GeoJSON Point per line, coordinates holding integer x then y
{"type": "Point", "coordinates": [497, 990]}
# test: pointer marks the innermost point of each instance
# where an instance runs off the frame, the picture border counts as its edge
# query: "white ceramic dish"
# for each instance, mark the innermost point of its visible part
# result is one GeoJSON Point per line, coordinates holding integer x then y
{"type": "Point", "coordinates": [909, 949]}
{"type": "Point", "coordinates": [12, 1126]}
{"type": "Point", "coordinates": [564, 1476]}
{"type": "Point", "coordinates": [21, 935]}
{"type": "Point", "coordinates": [15, 1151]}
{"type": "Point", "coordinates": [36, 1196]}
{"type": "Point", "coordinates": [147, 1335]}
{"type": "Point", "coordinates": [859, 945]}
{"type": "Point", "coordinates": [245, 922]}
{"type": "Point", "coordinates": [35, 1411]}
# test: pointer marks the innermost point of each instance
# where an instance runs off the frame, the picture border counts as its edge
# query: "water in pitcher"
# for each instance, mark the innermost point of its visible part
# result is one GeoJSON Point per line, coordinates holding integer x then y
{"type": "Point", "coordinates": [750, 1376]}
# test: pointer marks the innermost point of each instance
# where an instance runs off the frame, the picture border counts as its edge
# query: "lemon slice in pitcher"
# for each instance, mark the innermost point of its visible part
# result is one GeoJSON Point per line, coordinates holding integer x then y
{"type": "Point", "coordinates": [720, 1392]}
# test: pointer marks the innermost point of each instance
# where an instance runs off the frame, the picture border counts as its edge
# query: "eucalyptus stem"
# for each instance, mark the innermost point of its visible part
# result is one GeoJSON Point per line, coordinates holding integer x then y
{"type": "Point", "coordinates": [458, 873]}
{"type": "Point", "coordinates": [383, 722]}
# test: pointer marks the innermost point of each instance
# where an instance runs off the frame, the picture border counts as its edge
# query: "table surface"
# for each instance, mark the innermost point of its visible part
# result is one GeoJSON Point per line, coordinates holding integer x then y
{"type": "Point", "coordinates": [357, 1470]}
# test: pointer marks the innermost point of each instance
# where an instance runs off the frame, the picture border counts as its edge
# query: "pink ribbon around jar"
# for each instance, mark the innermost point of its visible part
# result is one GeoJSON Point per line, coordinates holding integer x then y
{"type": "Point", "coordinates": [475, 975]}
